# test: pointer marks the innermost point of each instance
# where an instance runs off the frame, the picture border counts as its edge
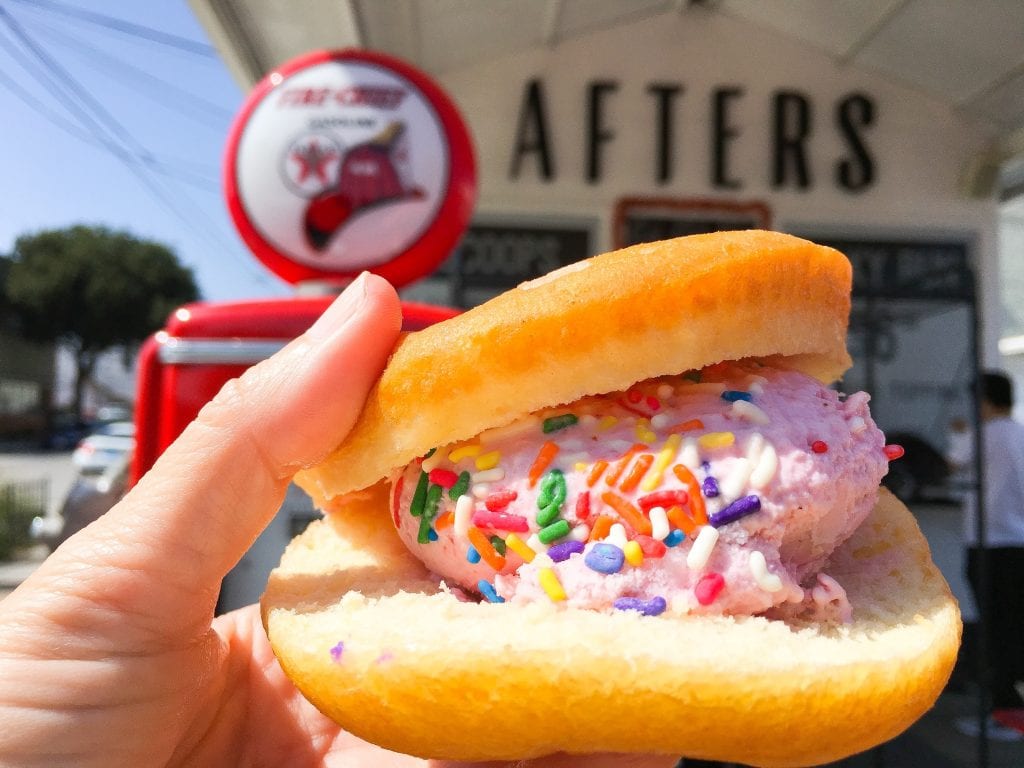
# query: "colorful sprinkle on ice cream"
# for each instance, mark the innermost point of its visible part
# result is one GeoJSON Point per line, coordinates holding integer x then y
{"type": "Point", "coordinates": [718, 492]}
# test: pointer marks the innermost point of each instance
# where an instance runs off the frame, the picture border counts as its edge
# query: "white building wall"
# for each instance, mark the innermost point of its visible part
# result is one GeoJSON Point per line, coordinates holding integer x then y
{"type": "Point", "coordinates": [920, 146]}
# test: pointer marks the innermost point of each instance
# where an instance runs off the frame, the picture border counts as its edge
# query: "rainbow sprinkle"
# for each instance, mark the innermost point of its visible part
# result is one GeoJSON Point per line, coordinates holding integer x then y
{"type": "Point", "coordinates": [653, 607]}
{"type": "Point", "coordinates": [893, 452]}
{"type": "Point", "coordinates": [460, 487]}
{"type": "Point", "coordinates": [443, 477]}
{"type": "Point", "coordinates": [703, 545]}
{"type": "Point", "coordinates": [498, 500]}
{"type": "Point", "coordinates": [486, 550]}
{"type": "Point", "coordinates": [674, 539]}
{"type": "Point", "coordinates": [636, 473]}
{"type": "Point", "coordinates": [564, 550]}
{"type": "Point", "coordinates": [549, 583]}
{"type": "Point", "coordinates": [639, 511]}
{"type": "Point", "coordinates": [337, 651]}
{"type": "Point", "coordinates": [545, 455]}
{"type": "Point", "coordinates": [748, 505]}
{"type": "Point", "coordinates": [605, 558]}
{"type": "Point", "coordinates": [630, 514]}
{"type": "Point", "coordinates": [713, 440]}
{"type": "Point", "coordinates": [732, 395]}
{"type": "Point", "coordinates": [551, 497]}
{"type": "Point", "coordinates": [633, 553]}
{"type": "Point", "coordinates": [555, 423]}
{"type": "Point", "coordinates": [620, 466]}
{"type": "Point", "coordinates": [709, 587]}
{"type": "Point", "coordinates": [665, 457]}
{"type": "Point", "coordinates": [488, 591]}
{"type": "Point", "coordinates": [520, 547]}
{"type": "Point", "coordinates": [500, 521]}
{"type": "Point", "coordinates": [465, 452]}
{"type": "Point", "coordinates": [554, 532]}
{"type": "Point", "coordinates": [488, 460]}
{"type": "Point", "coordinates": [769, 582]}
{"type": "Point", "coordinates": [601, 528]}
{"type": "Point", "coordinates": [419, 497]}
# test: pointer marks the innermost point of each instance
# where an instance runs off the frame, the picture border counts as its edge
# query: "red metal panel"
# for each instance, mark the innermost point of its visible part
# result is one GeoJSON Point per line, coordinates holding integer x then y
{"type": "Point", "coordinates": [171, 395]}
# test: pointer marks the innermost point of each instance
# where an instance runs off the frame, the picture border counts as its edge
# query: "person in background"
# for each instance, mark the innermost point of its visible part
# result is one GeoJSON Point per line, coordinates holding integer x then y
{"type": "Point", "coordinates": [1003, 475]}
{"type": "Point", "coordinates": [959, 455]}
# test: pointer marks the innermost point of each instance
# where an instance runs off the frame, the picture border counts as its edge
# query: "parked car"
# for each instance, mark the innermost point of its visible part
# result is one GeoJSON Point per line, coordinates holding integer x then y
{"type": "Point", "coordinates": [110, 413]}
{"type": "Point", "coordinates": [102, 449]}
{"type": "Point", "coordinates": [65, 432]}
{"type": "Point", "coordinates": [116, 428]}
{"type": "Point", "coordinates": [90, 496]}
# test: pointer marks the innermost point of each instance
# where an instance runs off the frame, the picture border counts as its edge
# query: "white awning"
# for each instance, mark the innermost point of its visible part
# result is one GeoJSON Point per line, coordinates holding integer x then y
{"type": "Point", "coordinates": [967, 53]}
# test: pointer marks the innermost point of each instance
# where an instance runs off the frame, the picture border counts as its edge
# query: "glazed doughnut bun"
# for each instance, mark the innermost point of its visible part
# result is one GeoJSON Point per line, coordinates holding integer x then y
{"type": "Point", "coordinates": [378, 644]}
{"type": "Point", "coordinates": [597, 326]}
{"type": "Point", "coordinates": [416, 670]}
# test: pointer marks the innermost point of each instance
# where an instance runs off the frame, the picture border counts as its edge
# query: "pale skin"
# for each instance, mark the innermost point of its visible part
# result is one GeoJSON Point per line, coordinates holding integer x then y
{"type": "Point", "coordinates": [110, 654]}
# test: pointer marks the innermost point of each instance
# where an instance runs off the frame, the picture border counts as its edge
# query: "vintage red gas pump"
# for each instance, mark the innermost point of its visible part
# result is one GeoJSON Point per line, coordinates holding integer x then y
{"type": "Point", "coordinates": [338, 162]}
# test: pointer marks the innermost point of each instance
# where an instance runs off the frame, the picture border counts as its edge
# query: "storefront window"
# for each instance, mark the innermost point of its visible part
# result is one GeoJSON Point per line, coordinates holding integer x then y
{"type": "Point", "coordinates": [911, 337]}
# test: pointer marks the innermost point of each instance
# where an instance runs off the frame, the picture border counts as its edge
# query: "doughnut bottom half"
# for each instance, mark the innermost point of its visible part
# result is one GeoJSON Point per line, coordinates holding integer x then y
{"type": "Point", "coordinates": [378, 645]}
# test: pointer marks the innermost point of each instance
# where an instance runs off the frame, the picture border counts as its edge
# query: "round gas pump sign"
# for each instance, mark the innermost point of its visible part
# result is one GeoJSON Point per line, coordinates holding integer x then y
{"type": "Point", "coordinates": [344, 161]}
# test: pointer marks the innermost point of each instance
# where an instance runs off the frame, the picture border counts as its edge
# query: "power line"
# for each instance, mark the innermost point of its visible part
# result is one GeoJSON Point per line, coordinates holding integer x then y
{"type": "Point", "coordinates": [125, 27]}
{"type": "Point", "coordinates": [53, 77]}
{"type": "Point", "coordinates": [136, 161]}
{"type": "Point", "coordinates": [164, 167]}
{"type": "Point", "coordinates": [94, 112]}
{"type": "Point", "coordinates": [154, 88]}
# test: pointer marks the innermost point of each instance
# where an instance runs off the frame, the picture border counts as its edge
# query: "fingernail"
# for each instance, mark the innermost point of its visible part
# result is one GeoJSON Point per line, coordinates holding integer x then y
{"type": "Point", "coordinates": [346, 306]}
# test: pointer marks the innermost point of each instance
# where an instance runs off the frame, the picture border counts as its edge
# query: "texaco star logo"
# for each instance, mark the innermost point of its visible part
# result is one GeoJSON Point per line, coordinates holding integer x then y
{"type": "Point", "coordinates": [311, 164]}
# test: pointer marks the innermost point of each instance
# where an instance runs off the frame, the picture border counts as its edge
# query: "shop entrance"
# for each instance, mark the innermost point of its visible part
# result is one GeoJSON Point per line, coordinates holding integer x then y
{"type": "Point", "coordinates": [913, 341]}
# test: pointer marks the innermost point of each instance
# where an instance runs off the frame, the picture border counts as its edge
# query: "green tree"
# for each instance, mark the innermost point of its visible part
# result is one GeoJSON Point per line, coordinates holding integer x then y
{"type": "Point", "coordinates": [92, 288]}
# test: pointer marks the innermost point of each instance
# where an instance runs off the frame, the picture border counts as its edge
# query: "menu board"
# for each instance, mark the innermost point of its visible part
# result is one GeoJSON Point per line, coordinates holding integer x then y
{"type": "Point", "coordinates": [908, 269]}
{"type": "Point", "coordinates": [644, 220]}
{"type": "Point", "coordinates": [504, 256]}
{"type": "Point", "coordinates": [493, 257]}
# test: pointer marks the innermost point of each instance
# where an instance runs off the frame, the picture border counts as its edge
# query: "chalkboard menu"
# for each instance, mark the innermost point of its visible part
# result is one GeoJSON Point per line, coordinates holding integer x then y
{"type": "Point", "coordinates": [643, 220]}
{"type": "Point", "coordinates": [495, 257]}
{"type": "Point", "coordinates": [908, 269]}
{"type": "Point", "coordinates": [644, 229]}
{"type": "Point", "coordinates": [503, 257]}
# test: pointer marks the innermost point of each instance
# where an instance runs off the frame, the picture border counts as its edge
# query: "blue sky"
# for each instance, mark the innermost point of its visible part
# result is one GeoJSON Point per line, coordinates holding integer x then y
{"type": "Point", "coordinates": [169, 106]}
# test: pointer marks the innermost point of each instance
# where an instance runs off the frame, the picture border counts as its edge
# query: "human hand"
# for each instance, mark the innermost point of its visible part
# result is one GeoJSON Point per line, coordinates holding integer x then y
{"type": "Point", "coordinates": [110, 654]}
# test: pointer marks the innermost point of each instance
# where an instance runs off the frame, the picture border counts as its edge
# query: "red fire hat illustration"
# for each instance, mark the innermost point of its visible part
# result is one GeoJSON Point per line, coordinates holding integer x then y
{"type": "Point", "coordinates": [371, 174]}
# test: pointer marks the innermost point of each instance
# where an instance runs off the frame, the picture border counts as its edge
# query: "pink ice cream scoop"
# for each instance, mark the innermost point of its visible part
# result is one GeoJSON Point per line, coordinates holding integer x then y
{"type": "Point", "coordinates": [718, 492]}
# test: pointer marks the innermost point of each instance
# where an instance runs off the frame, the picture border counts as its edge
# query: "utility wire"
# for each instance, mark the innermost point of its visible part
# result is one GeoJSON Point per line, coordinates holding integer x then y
{"type": "Point", "coordinates": [154, 88]}
{"type": "Point", "coordinates": [52, 79]}
{"type": "Point", "coordinates": [87, 107]}
{"type": "Point", "coordinates": [160, 166]}
{"type": "Point", "coordinates": [125, 27]}
{"type": "Point", "coordinates": [136, 161]}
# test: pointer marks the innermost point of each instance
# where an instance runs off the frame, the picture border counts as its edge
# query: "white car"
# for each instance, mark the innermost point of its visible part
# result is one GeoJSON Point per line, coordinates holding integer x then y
{"type": "Point", "coordinates": [97, 452]}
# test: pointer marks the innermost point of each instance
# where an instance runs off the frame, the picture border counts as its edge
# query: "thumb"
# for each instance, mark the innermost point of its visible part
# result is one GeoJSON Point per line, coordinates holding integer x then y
{"type": "Point", "coordinates": [192, 517]}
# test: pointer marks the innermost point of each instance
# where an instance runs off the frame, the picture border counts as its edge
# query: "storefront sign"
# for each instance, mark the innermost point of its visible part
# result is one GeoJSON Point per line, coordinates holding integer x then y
{"type": "Point", "coordinates": [790, 118]}
{"type": "Point", "coordinates": [502, 257]}
{"type": "Point", "coordinates": [349, 160]}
